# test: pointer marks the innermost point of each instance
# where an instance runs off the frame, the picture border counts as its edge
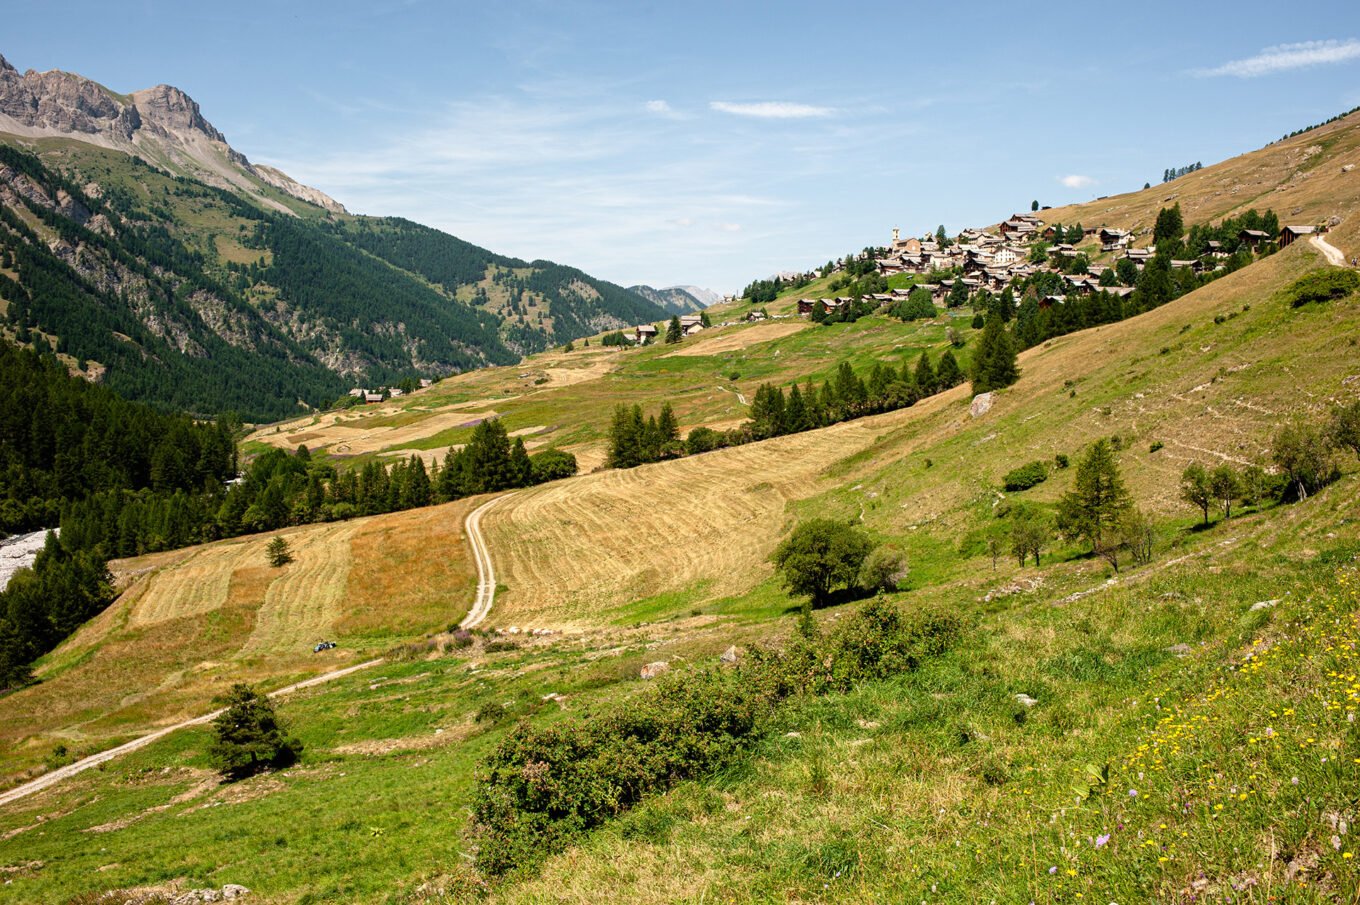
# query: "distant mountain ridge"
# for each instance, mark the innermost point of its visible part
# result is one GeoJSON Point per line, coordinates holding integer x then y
{"type": "Point", "coordinates": [138, 244]}
{"type": "Point", "coordinates": [163, 125]}
{"type": "Point", "coordinates": [678, 299]}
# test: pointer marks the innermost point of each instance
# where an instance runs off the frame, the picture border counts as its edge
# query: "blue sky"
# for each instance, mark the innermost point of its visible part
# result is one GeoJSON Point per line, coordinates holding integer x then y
{"type": "Point", "coordinates": [715, 143]}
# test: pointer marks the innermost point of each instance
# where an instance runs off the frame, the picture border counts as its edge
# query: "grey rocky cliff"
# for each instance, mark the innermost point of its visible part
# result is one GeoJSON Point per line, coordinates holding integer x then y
{"type": "Point", "coordinates": [162, 124]}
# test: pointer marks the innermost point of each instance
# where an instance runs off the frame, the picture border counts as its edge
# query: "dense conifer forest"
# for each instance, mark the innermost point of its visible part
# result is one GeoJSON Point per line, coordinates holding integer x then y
{"type": "Point", "coordinates": [194, 299]}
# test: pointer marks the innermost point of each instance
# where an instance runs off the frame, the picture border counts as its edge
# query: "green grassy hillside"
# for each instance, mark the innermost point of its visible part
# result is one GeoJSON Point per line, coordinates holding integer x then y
{"type": "Point", "coordinates": [1190, 736]}
{"type": "Point", "coordinates": [1183, 730]}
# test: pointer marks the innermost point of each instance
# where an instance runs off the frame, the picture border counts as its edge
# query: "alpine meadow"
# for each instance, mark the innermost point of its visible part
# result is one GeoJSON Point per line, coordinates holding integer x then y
{"type": "Point", "coordinates": [1013, 559]}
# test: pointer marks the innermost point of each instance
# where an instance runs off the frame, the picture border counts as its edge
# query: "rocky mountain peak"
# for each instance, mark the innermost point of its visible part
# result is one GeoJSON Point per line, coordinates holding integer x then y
{"type": "Point", "coordinates": [172, 109]}
{"type": "Point", "coordinates": [162, 124]}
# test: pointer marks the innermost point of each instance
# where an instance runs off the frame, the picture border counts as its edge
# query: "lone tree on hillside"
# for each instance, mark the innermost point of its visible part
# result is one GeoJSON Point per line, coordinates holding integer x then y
{"type": "Point", "coordinates": [1092, 509]}
{"type": "Point", "coordinates": [1304, 453]}
{"type": "Point", "coordinates": [1030, 532]}
{"type": "Point", "coordinates": [248, 737]}
{"type": "Point", "coordinates": [1345, 427]}
{"type": "Point", "coordinates": [1227, 486]}
{"type": "Point", "coordinates": [278, 552]}
{"type": "Point", "coordinates": [673, 334]}
{"type": "Point", "coordinates": [820, 555]}
{"type": "Point", "coordinates": [1034, 205]}
{"type": "Point", "coordinates": [1196, 489]}
{"type": "Point", "coordinates": [994, 363]}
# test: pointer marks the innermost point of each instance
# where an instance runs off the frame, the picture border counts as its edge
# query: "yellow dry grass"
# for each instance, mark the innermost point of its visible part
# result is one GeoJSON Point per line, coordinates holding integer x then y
{"type": "Point", "coordinates": [1301, 179]}
{"type": "Point", "coordinates": [304, 601]}
{"type": "Point", "coordinates": [570, 551]}
{"type": "Point", "coordinates": [191, 622]}
{"type": "Point", "coordinates": [734, 340]}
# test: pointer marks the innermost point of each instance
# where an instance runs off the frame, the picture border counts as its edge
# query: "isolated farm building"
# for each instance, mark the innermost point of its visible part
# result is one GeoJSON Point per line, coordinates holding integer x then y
{"type": "Point", "coordinates": [691, 324]}
{"type": "Point", "coordinates": [643, 334]}
{"type": "Point", "coordinates": [760, 315]}
{"type": "Point", "coordinates": [395, 392]}
{"type": "Point", "coordinates": [426, 383]}
{"type": "Point", "coordinates": [1253, 237]}
{"type": "Point", "coordinates": [357, 392]}
{"type": "Point", "coordinates": [373, 397]}
{"type": "Point", "coordinates": [1290, 233]}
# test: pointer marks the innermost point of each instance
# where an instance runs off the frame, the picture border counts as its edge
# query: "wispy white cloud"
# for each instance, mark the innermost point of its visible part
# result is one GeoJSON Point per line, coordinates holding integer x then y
{"type": "Point", "coordinates": [658, 107]}
{"type": "Point", "coordinates": [1284, 57]}
{"type": "Point", "coordinates": [772, 110]}
{"type": "Point", "coordinates": [1075, 181]}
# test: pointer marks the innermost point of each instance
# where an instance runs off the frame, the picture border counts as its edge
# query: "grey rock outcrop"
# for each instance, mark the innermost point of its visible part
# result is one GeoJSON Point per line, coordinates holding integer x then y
{"type": "Point", "coordinates": [162, 124]}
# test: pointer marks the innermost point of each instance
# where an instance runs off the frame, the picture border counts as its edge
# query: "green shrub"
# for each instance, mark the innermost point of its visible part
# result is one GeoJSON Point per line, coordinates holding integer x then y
{"type": "Point", "coordinates": [1061, 460]}
{"type": "Point", "coordinates": [1321, 286]}
{"type": "Point", "coordinates": [1026, 476]}
{"type": "Point", "coordinates": [543, 787]}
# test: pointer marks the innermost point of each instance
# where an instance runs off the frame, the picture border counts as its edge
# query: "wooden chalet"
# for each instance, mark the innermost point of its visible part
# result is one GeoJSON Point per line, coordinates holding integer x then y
{"type": "Point", "coordinates": [1290, 233]}
{"type": "Point", "coordinates": [1253, 237]}
{"type": "Point", "coordinates": [644, 333]}
{"type": "Point", "coordinates": [1113, 239]}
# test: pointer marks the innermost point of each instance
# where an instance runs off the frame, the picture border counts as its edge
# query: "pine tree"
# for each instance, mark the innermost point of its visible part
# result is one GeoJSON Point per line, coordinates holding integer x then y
{"type": "Point", "coordinates": [278, 553]}
{"type": "Point", "coordinates": [521, 469]}
{"type": "Point", "coordinates": [248, 737]}
{"type": "Point", "coordinates": [1169, 226]}
{"type": "Point", "coordinates": [1097, 501]}
{"type": "Point", "coordinates": [673, 333]}
{"type": "Point", "coordinates": [994, 363]}
{"type": "Point", "coordinates": [925, 376]}
{"type": "Point", "coordinates": [948, 374]}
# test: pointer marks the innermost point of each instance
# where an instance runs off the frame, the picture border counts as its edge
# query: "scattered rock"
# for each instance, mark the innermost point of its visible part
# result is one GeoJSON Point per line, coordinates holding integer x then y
{"type": "Point", "coordinates": [1025, 699]}
{"type": "Point", "coordinates": [793, 734]}
{"type": "Point", "coordinates": [1020, 586]}
{"type": "Point", "coordinates": [652, 670]}
{"type": "Point", "coordinates": [982, 404]}
{"type": "Point", "coordinates": [197, 896]}
{"type": "Point", "coordinates": [1348, 167]}
{"type": "Point", "coordinates": [1333, 220]}
{"type": "Point", "coordinates": [1263, 604]}
{"type": "Point", "coordinates": [730, 655]}
{"type": "Point", "coordinates": [551, 696]}
{"type": "Point", "coordinates": [1180, 650]}
{"type": "Point", "coordinates": [514, 629]}
{"type": "Point", "coordinates": [868, 724]}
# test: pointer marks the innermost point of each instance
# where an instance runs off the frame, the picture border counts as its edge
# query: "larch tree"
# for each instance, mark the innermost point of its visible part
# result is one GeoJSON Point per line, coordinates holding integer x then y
{"type": "Point", "coordinates": [1092, 509]}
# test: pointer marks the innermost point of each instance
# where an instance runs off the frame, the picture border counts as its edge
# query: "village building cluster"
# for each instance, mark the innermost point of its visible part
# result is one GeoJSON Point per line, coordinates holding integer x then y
{"type": "Point", "coordinates": [381, 393]}
{"type": "Point", "coordinates": [994, 260]}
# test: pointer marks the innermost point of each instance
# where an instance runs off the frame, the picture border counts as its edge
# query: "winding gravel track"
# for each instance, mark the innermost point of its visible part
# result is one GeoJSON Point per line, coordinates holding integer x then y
{"type": "Point", "coordinates": [94, 760]}
{"type": "Point", "coordinates": [1329, 251]}
{"type": "Point", "coordinates": [486, 570]}
{"type": "Point", "coordinates": [481, 608]}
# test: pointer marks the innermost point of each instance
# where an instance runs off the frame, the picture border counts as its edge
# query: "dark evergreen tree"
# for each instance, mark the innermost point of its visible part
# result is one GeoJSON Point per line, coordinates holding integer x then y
{"type": "Point", "coordinates": [994, 364]}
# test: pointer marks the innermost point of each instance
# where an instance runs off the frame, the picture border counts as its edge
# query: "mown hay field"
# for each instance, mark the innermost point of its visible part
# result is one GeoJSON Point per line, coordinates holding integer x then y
{"type": "Point", "coordinates": [191, 622]}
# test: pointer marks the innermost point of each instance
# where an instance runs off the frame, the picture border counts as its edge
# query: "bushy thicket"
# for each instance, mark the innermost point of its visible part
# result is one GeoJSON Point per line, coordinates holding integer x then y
{"type": "Point", "coordinates": [1321, 286]}
{"type": "Point", "coordinates": [544, 787]}
{"type": "Point", "coordinates": [1026, 476]}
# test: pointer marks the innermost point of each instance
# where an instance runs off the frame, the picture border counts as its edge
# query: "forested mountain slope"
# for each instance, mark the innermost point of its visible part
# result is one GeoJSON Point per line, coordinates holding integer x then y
{"type": "Point", "coordinates": [153, 256]}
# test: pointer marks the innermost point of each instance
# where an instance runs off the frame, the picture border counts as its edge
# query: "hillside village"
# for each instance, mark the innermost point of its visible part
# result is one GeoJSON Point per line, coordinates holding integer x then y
{"type": "Point", "coordinates": [984, 260]}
